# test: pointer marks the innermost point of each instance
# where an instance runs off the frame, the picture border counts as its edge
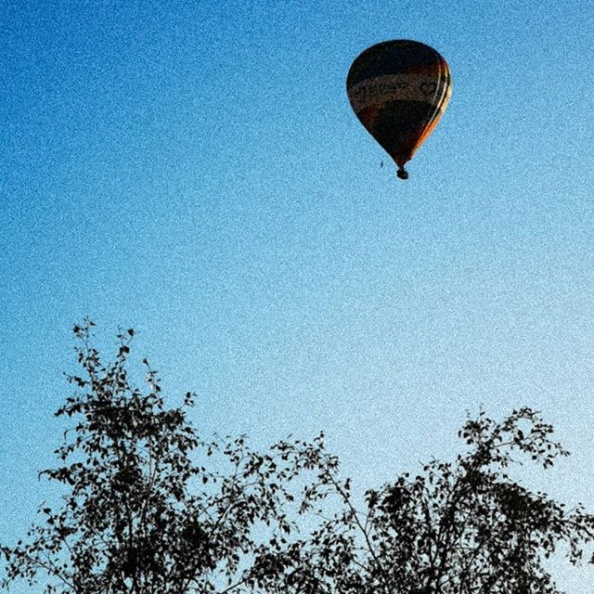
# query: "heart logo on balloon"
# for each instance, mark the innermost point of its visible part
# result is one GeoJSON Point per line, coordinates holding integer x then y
{"type": "Point", "coordinates": [428, 88]}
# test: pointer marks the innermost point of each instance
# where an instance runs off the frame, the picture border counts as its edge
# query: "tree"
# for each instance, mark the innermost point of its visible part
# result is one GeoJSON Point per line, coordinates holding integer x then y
{"type": "Point", "coordinates": [458, 528]}
{"type": "Point", "coordinates": [142, 513]}
{"type": "Point", "coordinates": [151, 508]}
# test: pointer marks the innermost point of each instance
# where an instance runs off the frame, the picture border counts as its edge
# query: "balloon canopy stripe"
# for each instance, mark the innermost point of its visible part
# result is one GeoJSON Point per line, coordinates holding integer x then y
{"type": "Point", "coordinates": [398, 87]}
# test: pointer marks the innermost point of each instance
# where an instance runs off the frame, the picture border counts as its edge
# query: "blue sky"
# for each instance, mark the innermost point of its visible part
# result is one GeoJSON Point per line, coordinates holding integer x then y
{"type": "Point", "coordinates": [194, 170]}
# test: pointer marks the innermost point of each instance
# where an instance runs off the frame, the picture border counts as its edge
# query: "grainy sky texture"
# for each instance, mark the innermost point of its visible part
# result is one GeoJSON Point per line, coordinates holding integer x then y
{"type": "Point", "coordinates": [194, 170]}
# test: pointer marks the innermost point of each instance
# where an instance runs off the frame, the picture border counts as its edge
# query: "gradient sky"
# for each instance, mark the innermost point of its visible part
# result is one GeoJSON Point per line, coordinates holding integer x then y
{"type": "Point", "coordinates": [194, 170]}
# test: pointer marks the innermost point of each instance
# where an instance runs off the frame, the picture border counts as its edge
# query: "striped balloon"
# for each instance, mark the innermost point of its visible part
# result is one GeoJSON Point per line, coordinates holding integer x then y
{"type": "Point", "coordinates": [399, 89]}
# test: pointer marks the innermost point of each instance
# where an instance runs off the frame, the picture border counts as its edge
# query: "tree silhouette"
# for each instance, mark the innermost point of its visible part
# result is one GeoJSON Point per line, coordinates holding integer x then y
{"type": "Point", "coordinates": [143, 513]}
{"type": "Point", "coordinates": [458, 528]}
{"type": "Point", "coordinates": [151, 508]}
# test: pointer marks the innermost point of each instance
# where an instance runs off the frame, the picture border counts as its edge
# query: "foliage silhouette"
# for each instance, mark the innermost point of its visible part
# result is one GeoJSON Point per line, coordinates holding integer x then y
{"type": "Point", "coordinates": [459, 528]}
{"type": "Point", "coordinates": [151, 508]}
{"type": "Point", "coordinates": [140, 514]}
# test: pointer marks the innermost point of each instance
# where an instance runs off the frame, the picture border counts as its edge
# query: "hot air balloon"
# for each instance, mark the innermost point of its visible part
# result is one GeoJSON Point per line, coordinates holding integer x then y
{"type": "Point", "coordinates": [399, 90]}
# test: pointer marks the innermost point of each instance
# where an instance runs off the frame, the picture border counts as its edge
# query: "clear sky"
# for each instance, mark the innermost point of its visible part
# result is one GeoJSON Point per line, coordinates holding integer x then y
{"type": "Point", "coordinates": [194, 170]}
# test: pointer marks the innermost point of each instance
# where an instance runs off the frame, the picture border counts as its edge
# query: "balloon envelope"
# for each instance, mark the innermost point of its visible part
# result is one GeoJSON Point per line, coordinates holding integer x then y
{"type": "Point", "coordinates": [399, 90]}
